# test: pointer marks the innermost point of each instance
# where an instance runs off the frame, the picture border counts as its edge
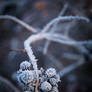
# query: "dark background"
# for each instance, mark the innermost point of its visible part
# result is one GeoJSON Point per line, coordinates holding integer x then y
{"type": "Point", "coordinates": [38, 13]}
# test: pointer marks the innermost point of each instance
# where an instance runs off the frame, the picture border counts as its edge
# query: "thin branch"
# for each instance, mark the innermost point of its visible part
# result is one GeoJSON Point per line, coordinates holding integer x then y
{"type": "Point", "coordinates": [25, 25]}
{"type": "Point", "coordinates": [8, 83]}
{"type": "Point", "coordinates": [71, 56]}
{"type": "Point", "coordinates": [53, 28]}
{"type": "Point", "coordinates": [32, 57]}
{"type": "Point", "coordinates": [62, 12]}
{"type": "Point", "coordinates": [64, 19]}
{"type": "Point", "coordinates": [17, 50]}
{"type": "Point", "coordinates": [55, 22]}
{"type": "Point", "coordinates": [54, 61]}
{"type": "Point", "coordinates": [49, 36]}
{"type": "Point", "coordinates": [70, 68]}
{"type": "Point", "coordinates": [66, 40]}
{"type": "Point", "coordinates": [52, 37]}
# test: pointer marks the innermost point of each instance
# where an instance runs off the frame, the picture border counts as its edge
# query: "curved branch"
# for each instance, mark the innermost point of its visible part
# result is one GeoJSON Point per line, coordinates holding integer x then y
{"type": "Point", "coordinates": [62, 12]}
{"type": "Point", "coordinates": [8, 83]}
{"type": "Point", "coordinates": [70, 68]}
{"type": "Point", "coordinates": [64, 19]}
{"type": "Point", "coordinates": [25, 25]}
{"type": "Point", "coordinates": [32, 57]}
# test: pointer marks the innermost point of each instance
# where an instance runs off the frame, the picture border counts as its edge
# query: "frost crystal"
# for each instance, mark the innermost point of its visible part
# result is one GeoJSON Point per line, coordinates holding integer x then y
{"type": "Point", "coordinates": [57, 78]}
{"type": "Point", "coordinates": [53, 81]}
{"type": "Point", "coordinates": [25, 65]}
{"type": "Point", "coordinates": [54, 89]}
{"type": "Point", "coordinates": [47, 79]}
{"type": "Point", "coordinates": [46, 86]}
{"type": "Point", "coordinates": [51, 72]}
{"type": "Point", "coordinates": [27, 76]}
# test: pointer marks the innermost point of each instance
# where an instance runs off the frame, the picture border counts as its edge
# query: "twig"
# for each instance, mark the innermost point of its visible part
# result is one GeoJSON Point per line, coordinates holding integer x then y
{"type": "Point", "coordinates": [53, 28]}
{"type": "Point", "coordinates": [25, 25]}
{"type": "Point", "coordinates": [54, 61]}
{"type": "Point", "coordinates": [32, 56]}
{"type": "Point", "coordinates": [64, 19]}
{"type": "Point", "coordinates": [66, 40]}
{"type": "Point", "coordinates": [8, 83]}
{"type": "Point", "coordinates": [53, 37]}
{"type": "Point", "coordinates": [58, 19]}
{"type": "Point", "coordinates": [70, 68]}
{"type": "Point", "coordinates": [71, 56]}
{"type": "Point", "coordinates": [17, 50]}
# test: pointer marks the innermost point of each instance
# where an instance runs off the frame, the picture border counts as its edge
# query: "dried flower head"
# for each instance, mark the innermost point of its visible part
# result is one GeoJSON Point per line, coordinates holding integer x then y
{"type": "Point", "coordinates": [54, 89]}
{"type": "Point", "coordinates": [53, 81]}
{"type": "Point", "coordinates": [50, 72]}
{"type": "Point", "coordinates": [27, 76]}
{"type": "Point", "coordinates": [46, 86]}
{"type": "Point", "coordinates": [25, 65]}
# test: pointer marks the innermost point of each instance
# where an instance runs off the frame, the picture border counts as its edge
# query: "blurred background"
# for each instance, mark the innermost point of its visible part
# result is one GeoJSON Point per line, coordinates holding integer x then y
{"type": "Point", "coordinates": [38, 13]}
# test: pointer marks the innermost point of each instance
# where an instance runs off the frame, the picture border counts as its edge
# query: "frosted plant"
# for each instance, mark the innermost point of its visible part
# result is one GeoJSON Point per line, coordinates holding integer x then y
{"type": "Point", "coordinates": [46, 86]}
{"type": "Point", "coordinates": [54, 89]}
{"type": "Point", "coordinates": [35, 79]}
{"type": "Point", "coordinates": [27, 76]}
{"type": "Point", "coordinates": [53, 81]}
{"type": "Point", "coordinates": [53, 28]}
{"type": "Point", "coordinates": [47, 79]}
{"type": "Point", "coordinates": [51, 72]}
{"type": "Point", "coordinates": [25, 65]}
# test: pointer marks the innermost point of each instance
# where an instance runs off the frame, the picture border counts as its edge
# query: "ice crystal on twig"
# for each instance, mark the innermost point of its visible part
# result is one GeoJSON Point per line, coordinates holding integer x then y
{"type": "Point", "coordinates": [47, 79]}
{"type": "Point", "coordinates": [46, 86]}
{"type": "Point", "coordinates": [25, 65]}
{"type": "Point", "coordinates": [36, 80]}
{"type": "Point", "coordinates": [51, 72]}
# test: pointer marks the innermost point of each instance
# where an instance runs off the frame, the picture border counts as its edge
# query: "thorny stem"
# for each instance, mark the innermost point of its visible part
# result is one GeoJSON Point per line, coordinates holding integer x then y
{"type": "Point", "coordinates": [25, 25]}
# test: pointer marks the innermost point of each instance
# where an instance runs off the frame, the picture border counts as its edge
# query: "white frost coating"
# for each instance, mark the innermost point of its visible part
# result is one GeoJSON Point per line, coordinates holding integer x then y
{"type": "Point", "coordinates": [57, 78]}
{"type": "Point", "coordinates": [52, 30]}
{"type": "Point", "coordinates": [46, 86]}
{"type": "Point", "coordinates": [54, 89]}
{"type": "Point", "coordinates": [25, 65]}
{"type": "Point", "coordinates": [50, 72]}
{"type": "Point", "coordinates": [28, 27]}
{"type": "Point", "coordinates": [27, 45]}
{"type": "Point", "coordinates": [53, 81]}
{"type": "Point", "coordinates": [32, 57]}
{"type": "Point", "coordinates": [64, 19]}
{"type": "Point", "coordinates": [27, 76]}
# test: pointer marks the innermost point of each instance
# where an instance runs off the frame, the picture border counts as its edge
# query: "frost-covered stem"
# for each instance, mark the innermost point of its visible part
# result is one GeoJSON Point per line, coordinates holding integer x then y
{"type": "Point", "coordinates": [70, 68]}
{"type": "Point", "coordinates": [56, 20]}
{"type": "Point", "coordinates": [25, 25]}
{"type": "Point", "coordinates": [66, 40]}
{"type": "Point", "coordinates": [64, 19]}
{"type": "Point", "coordinates": [52, 37]}
{"type": "Point", "coordinates": [53, 28]}
{"type": "Point", "coordinates": [27, 45]}
{"type": "Point", "coordinates": [49, 36]}
{"type": "Point", "coordinates": [71, 56]}
{"type": "Point", "coordinates": [62, 12]}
